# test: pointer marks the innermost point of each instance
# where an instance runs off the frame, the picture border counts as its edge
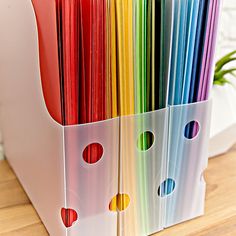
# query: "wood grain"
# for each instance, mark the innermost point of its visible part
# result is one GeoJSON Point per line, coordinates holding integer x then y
{"type": "Point", "coordinates": [18, 217]}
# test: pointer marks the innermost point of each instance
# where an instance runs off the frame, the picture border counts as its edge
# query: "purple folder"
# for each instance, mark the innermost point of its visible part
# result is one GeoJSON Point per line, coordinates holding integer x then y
{"type": "Point", "coordinates": [210, 66]}
{"type": "Point", "coordinates": [206, 48]}
{"type": "Point", "coordinates": [206, 75]}
{"type": "Point", "coordinates": [207, 69]}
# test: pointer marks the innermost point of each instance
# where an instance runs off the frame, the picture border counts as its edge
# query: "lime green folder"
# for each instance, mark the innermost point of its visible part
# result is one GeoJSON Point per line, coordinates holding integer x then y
{"type": "Point", "coordinates": [141, 58]}
{"type": "Point", "coordinates": [141, 97]}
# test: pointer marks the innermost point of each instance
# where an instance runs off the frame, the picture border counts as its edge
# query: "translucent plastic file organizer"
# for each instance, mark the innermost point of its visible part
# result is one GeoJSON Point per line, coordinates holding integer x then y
{"type": "Point", "coordinates": [162, 184]}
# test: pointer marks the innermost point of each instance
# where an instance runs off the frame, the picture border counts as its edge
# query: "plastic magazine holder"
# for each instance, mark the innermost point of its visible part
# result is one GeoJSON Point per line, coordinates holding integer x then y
{"type": "Point", "coordinates": [163, 185]}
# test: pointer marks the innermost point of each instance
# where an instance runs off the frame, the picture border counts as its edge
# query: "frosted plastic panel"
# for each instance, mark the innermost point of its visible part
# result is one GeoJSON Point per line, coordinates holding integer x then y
{"type": "Point", "coordinates": [91, 187]}
{"type": "Point", "coordinates": [33, 141]}
{"type": "Point", "coordinates": [142, 171]}
{"type": "Point", "coordinates": [187, 160]}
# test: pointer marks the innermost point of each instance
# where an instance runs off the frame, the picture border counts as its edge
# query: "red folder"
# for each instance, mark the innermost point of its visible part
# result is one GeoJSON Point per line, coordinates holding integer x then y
{"type": "Point", "coordinates": [93, 41]}
{"type": "Point", "coordinates": [73, 41]}
{"type": "Point", "coordinates": [99, 61]}
{"type": "Point", "coordinates": [86, 49]}
{"type": "Point", "coordinates": [70, 38]}
{"type": "Point", "coordinates": [48, 49]}
{"type": "Point", "coordinates": [93, 33]}
{"type": "Point", "coordinates": [98, 99]}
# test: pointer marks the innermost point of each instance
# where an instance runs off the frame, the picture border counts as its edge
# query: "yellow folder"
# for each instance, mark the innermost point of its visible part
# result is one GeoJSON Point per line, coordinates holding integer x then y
{"type": "Point", "coordinates": [113, 55]}
{"type": "Point", "coordinates": [126, 106]}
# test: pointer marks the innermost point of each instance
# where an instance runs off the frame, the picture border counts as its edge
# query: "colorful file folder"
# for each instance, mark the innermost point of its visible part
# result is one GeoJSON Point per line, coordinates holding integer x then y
{"type": "Point", "coordinates": [116, 57]}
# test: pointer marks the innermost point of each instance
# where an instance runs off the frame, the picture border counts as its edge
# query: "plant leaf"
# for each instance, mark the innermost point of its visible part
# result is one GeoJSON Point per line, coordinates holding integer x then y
{"type": "Point", "coordinates": [222, 81]}
{"type": "Point", "coordinates": [217, 83]}
{"type": "Point", "coordinates": [224, 72]}
{"type": "Point", "coordinates": [219, 76]}
{"type": "Point", "coordinates": [233, 74]}
{"type": "Point", "coordinates": [223, 63]}
{"type": "Point", "coordinates": [229, 55]}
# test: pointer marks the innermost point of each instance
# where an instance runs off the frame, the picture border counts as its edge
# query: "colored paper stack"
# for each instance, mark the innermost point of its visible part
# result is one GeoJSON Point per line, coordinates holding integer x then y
{"type": "Point", "coordinates": [114, 58]}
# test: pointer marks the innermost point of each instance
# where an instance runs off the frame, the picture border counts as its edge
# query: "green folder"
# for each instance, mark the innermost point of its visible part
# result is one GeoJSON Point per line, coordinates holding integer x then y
{"type": "Point", "coordinates": [141, 99]}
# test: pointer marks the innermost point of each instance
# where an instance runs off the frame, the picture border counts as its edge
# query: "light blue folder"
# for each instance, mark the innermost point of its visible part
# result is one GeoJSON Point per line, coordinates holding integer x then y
{"type": "Point", "coordinates": [198, 52]}
{"type": "Point", "coordinates": [178, 51]}
{"type": "Point", "coordinates": [193, 9]}
{"type": "Point", "coordinates": [174, 52]}
{"type": "Point", "coordinates": [180, 59]}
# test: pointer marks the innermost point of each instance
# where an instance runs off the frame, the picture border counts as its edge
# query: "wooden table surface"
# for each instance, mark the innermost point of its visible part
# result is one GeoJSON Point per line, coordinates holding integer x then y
{"type": "Point", "coordinates": [18, 217]}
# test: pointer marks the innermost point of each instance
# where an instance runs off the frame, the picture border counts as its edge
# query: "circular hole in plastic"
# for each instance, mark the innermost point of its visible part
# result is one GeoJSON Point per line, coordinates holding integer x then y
{"type": "Point", "coordinates": [191, 129]}
{"type": "Point", "coordinates": [93, 153]}
{"type": "Point", "coordinates": [145, 141]}
{"type": "Point", "coordinates": [166, 188]}
{"type": "Point", "coordinates": [120, 202]}
{"type": "Point", "coordinates": [69, 217]}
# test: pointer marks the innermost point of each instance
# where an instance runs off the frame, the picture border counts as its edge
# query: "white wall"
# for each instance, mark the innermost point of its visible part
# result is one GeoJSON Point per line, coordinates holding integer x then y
{"type": "Point", "coordinates": [223, 123]}
{"type": "Point", "coordinates": [227, 33]}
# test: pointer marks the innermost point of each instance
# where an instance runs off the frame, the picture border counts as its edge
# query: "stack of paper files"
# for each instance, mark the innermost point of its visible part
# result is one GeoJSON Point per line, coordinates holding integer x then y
{"type": "Point", "coordinates": [123, 57]}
